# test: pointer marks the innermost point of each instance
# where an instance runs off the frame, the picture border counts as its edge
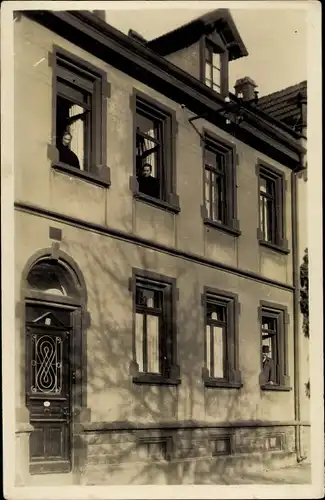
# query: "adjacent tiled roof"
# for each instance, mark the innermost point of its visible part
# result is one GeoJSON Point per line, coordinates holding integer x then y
{"type": "Point", "coordinates": [284, 104]}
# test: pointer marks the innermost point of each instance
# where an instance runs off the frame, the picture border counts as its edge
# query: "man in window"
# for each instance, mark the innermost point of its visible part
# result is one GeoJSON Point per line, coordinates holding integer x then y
{"type": "Point", "coordinates": [66, 155]}
{"type": "Point", "coordinates": [147, 183]}
{"type": "Point", "coordinates": [267, 375]}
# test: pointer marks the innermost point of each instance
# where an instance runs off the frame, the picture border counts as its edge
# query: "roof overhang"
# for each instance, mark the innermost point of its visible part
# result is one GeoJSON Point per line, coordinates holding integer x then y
{"type": "Point", "coordinates": [218, 20]}
{"type": "Point", "coordinates": [98, 38]}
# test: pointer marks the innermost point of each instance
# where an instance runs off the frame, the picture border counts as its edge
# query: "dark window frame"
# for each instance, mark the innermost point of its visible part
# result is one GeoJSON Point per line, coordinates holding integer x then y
{"type": "Point", "coordinates": [279, 243]}
{"type": "Point", "coordinates": [280, 313]}
{"type": "Point", "coordinates": [280, 442]}
{"type": "Point", "coordinates": [228, 438]}
{"type": "Point", "coordinates": [97, 172]}
{"type": "Point", "coordinates": [232, 378]}
{"type": "Point", "coordinates": [214, 43]}
{"type": "Point", "coordinates": [228, 151]}
{"type": "Point", "coordinates": [163, 439]}
{"type": "Point", "coordinates": [170, 371]}
{"type": "Point", "coordinates": [169, 200]}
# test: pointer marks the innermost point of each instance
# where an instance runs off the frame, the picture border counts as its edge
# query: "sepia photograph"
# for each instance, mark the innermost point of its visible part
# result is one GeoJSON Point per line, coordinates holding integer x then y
{"type": "Point", "coordinates": [161, 243]}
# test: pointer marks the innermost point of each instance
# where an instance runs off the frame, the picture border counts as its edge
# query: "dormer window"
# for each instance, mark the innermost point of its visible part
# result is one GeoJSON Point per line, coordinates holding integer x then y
{"type": "Point", "coordinates": [214, 63]}
{"type": "Point", "coordinates": [212, 68]}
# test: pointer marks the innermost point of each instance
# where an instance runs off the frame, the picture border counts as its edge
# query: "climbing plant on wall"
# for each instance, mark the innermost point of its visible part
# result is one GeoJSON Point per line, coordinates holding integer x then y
{"type": "Point", "coordinates": [304, 303]}
{"type": "Point", "coordinates": [304, 293]}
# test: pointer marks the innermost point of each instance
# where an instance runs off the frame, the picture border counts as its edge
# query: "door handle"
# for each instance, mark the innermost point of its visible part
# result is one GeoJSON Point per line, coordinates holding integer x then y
{"type": "Point", "coordinates": [66, 414]}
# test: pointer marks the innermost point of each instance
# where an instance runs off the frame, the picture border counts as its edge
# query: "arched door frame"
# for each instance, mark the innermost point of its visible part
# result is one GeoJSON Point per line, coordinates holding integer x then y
{"type": "Point", "coordinates": [77, 304]}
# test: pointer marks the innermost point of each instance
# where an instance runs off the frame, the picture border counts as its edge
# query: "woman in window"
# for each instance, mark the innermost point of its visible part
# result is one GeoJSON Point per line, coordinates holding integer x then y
{"type": "Point", "coordinates": [66, 155]}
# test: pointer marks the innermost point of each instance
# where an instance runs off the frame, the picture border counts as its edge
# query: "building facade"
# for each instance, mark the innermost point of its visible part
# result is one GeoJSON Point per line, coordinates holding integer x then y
{"type": "Point", "coordinates": [155, 233]}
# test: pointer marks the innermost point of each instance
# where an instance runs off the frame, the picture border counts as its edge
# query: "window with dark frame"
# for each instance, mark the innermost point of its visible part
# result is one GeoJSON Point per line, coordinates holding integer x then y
{"type": "Point", "coordinates": [154, 336]}
{"type": "Point", "coordinates": [221, 445]}
{"type": "Point", "coordinates": [221, 349]}
{"type": "Point", "coordinates": [273, 346]}
{"type": "Point", "coordinates": [271, 202]}
{"type": "Point", "coordinates": [212, 67]}
{"type": "Point", "coordinates": [219, 185]}
{"type": "Point", "coordinates": [216, 338]}
{"type": "Point", "coordinates": [153, 132]}
{"type": "Point", "coordinates": [215, 184]}
{"type": "Point", "coordinates": [79, 121]}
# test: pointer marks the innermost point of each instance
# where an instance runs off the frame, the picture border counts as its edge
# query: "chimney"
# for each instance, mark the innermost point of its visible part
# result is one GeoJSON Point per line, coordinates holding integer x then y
{"type": "Point", "coordinates": [245, 88]}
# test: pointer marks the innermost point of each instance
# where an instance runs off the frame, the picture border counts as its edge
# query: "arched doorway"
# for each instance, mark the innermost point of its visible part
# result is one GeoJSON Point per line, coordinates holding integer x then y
{"type": "Point", "coordinates": [54, 301]}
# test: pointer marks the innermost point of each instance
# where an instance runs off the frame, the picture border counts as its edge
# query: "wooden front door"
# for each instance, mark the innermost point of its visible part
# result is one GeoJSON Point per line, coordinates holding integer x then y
{"type": "Point", "coordinates": [49, 377]}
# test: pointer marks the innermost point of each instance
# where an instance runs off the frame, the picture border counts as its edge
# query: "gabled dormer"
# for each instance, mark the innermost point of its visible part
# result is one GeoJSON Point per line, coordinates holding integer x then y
{"type": "Point", "coordinates": [204, 47]}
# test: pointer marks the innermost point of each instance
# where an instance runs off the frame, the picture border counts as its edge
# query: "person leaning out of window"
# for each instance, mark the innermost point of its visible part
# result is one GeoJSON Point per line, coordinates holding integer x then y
{"type": "Point", "coordinates": [148, 184]}
{"type": "Point", "coordinates": [267, 376]}
{"type": "Point", "coordinates": [66, 155]}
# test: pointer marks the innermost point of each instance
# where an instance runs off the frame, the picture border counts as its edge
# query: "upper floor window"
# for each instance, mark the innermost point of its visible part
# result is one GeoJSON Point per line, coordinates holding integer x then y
{"type": "Point", "coordinates": [212, 68]}
{"type": "Point", "coordinates": [272, 207]}
{"type": "Point", "coordinates": [155, 332]}
{"type": "Point", "coordinates": [274, 333]}
{"type": "Point", "coordinates": [221, 339]}
{"type": "Point", "coordinates": [214, 63]}
{"type": "Point", "coordinates": [154, 158]}
{"type": "Point", "coordinates": [219, 185]}
{"type": "Point", "coordinates": [80, 120]}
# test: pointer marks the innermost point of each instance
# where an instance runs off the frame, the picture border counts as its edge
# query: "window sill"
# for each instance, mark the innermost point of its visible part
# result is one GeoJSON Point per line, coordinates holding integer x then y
{"type": "Point", "coordinates": [275, 387]}
{"type": "Point", "coordinates": [148, 378]}
{"type": "Point", "coordinates": [273, 246]}
{"type": "Point", "coordinates": [157, 202]}
{"type": "Point", "coordinates": [88, 176]}
{"type": "Point", "coordinates": [222, 227]}
{"type": "Point", "coordinates": [213, 382]}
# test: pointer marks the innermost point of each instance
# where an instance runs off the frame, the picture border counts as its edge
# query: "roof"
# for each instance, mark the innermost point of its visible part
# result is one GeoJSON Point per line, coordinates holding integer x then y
{"type": "Point", "coordinates": [284, 105]}
{"type": "Point", "coordinates": [189, 33]}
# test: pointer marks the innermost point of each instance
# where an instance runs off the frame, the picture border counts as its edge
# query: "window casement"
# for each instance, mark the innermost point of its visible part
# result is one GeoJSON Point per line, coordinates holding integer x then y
{"type": "Point", "coordinates": [155, 448]}
{"type": "Point", "coordinates": [220, 205]}
{"type": "Point", "coordinates": [154, 326]}
{"type": "Point", "coordinates": [221, 312]}
{"type": "Point", "coordinates": [212, 68]}
{"type": "Point", "coordinates": [271, 186]}
{"type": "Point", "coordinates": [274, 321]}
{"type": "Point", "coordinates": [221, 445]}
{"type": "Point", "coordinates": [214, 65]}
{"type": "Point", "coordinates": [79, 118]}
{"type": "Point", "coordinates": [154, 178]}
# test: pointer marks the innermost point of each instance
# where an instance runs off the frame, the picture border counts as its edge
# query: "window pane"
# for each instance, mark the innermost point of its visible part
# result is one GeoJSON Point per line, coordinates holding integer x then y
{"type": "Point", "coordinates": [267, 186]}
{"type": "Point", "coordinates": [218, 352]}
{"type": "Point", "coordinates": [216, 76]}
{"type": "Point", "coordinates": [218, 198]}
{"type": "Point", "coordinates": [216, 312]}
{"type": "Point", "coordinates": [148, 297]}
{"type": "Point", "coordinates": [208, 74]}
{"type": "Point", "coordinates": [210, 158]}
{"type": "Point", "coordinates": [269, 323]}
{"type": "Point", "coordinates": [216, 61]}
{"type": "Point", "coordinates": [208, 348]}
{"type": "Point", "coordinates": [139, 340]}
{"type": "Point", "coordinates": [77, 130]}
{"type": "Point", "coordinates": [267, 214]}
{"type": "Point", "coordinates": [207, 193]}
{"type": "Point", "coordinates": [147, 126]}
{"type": "Point", "coordinates": [208, 54]}
{"type": "Point", "coordinates": [153, 344]}
{"type": "Point", "coordinates": [263, 187]}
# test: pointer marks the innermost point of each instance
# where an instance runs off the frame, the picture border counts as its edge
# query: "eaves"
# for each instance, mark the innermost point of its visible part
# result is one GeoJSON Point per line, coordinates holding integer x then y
{"type": "Point", "coordinates": [95, 36]}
